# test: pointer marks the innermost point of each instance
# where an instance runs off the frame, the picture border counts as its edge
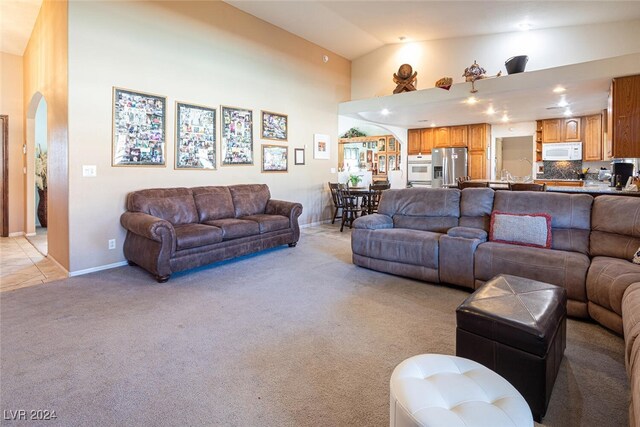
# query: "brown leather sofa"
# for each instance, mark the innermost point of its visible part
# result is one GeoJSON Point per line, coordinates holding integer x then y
{"type": "Point", "coordinates": [175, 229]}
{"type": "Point", "coordinates": [441, 236]}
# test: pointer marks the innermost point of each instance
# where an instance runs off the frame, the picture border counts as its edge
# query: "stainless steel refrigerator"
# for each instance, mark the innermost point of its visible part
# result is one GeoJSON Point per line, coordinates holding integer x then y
{"type": "Point", "coordinates": [448, 165]}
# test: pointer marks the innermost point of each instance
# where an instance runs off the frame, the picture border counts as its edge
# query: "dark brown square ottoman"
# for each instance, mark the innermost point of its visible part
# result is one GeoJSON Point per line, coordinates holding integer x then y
{"type": "Point", "coordinates": [517, 328]}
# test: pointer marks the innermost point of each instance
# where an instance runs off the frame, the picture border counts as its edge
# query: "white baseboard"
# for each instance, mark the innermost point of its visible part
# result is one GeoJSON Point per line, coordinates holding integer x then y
{"type": "Point", "coordinates": [99, 268]}
{"type": "Point", "coordinates": [16, 234]}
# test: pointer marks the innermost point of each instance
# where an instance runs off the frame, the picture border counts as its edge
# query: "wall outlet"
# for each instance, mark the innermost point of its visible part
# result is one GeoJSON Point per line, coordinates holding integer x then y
{"type": "Point", "coordinates": [112, 243]}
{"type": "Point", "coordinates": [89, 170]}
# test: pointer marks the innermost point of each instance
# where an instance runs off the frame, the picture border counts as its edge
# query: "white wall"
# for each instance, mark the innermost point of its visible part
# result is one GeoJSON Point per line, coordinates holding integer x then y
{"type": "Point", "coordinates": [514, 150]}
{"type": "Point", "coordinates": [206, 53]}
{"type": "Point", "coordinates": [372, 73]}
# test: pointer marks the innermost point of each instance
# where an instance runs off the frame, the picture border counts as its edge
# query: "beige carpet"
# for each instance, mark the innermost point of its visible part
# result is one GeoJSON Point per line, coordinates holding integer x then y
{"type": "Point", "coordinates": [290, 337]}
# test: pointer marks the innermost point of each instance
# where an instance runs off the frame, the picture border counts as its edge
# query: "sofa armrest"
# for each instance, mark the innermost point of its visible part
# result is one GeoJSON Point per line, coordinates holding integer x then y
{"type": "Point", "coordinates": [468, 233]}
{"type": "Point", "coordinates": [280, 207]}
{"type": "Point", "coordinates": [146, 225]}
{"type": "Point", "coordinates": [373, 222]}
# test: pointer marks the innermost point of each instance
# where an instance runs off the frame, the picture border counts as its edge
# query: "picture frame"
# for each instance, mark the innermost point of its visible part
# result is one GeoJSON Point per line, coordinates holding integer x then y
{"type": "Point", "coordinates": [321, 146]}
{"type": "Point", "coordinates": [275, 158]}
{"type": "Point", "coordinates": [298, 156]}
{"type": "Point", "coordinates": [274, 126]}
{"type": "Point", "coordinates": [138, 128]}
{"type": "Point", "coordinates": [237, 136]}
{"type": "Point", "coordinates": [195, 137]}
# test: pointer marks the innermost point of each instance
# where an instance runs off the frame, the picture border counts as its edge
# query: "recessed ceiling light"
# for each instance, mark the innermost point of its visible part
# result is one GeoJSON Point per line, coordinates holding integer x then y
{"type": "Point", "coordinates": [559, 89]}
{"type": "Point", "coordinates": [524, 26]}
{"type": "Point", "coordinates": [472, 100]}
{"type": "Point", "coordinates": [505, 118]}
{"type": "Point", "coordinates": [433, 125]}
{"type": "Point", "coordinates": [490, 111]}
{"type": "Point", "coordinates": [568, 112]}
{"type": "Point", "coordinates": [384, 112]}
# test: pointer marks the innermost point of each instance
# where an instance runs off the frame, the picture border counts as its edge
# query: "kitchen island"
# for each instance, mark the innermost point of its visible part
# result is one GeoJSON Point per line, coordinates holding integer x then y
{"type": "Point", "coordinates": [593, 190]}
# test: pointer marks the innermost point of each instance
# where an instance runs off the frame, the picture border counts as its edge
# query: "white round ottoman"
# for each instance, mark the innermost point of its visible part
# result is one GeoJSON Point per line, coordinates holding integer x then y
{"type": "Point", "coordinates": [435, 390]}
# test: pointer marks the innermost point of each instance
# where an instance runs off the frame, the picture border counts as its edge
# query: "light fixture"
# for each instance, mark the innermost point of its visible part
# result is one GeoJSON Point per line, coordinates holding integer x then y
{"type": "Point", "coordinates": [524, 26]}
{"type": "Point", "coordinates": [472, 100]}
{"type": "Point", "coordinates": [490, 111]}
{"type": "Point", "coordinates": [559, 89]}
{"type": "Point", "coordinates": [505, 118]}
{"type": "Point", "coordinates": [567, 112]}
{"type": "Point", "coordinates": [433, 125]}
{"type": "Point", "coordinates": [563, 102]}
{"type": "Point", "coordinates": [384, 112]}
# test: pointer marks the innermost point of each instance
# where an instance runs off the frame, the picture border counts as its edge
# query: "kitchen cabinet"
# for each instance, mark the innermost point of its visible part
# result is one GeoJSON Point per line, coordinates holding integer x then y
{"type": "Point", "coordinates": [623, 113]}
{"type": "Point", "coordinates": [559, 183]}
{"type": "Point", "coordinates": [479, 137]}
{"type": "Point", "coordinates": [592, 144]}
{"type": "Point", "coordinates": [571, 130]}
{"type": "Point", "coordinates": [551, 130]}
{"type": "Point", "coordinates": [458, 136]}
{"type": "Point", "coordinates": [414, 140]}
{"type": "Point", "coordinates": [477, 162]}
{"type": "Point", "coordinates": [539, 141]}
{"type": "Point", "coordinates": [441, 138]}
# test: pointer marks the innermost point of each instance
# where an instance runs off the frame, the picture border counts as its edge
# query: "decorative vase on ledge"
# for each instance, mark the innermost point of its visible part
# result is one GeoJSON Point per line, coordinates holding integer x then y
{"type": "Point", "coordinates": [42, 207]}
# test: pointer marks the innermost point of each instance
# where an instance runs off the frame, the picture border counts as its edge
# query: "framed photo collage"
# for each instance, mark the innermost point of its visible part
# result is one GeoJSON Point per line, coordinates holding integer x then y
{"type": "Point", "coordinates": [139, 135]}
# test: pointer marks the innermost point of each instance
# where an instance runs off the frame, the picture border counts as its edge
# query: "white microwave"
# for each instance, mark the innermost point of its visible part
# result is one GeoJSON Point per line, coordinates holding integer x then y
{"type": "Point", "coordinates": [562, 151]}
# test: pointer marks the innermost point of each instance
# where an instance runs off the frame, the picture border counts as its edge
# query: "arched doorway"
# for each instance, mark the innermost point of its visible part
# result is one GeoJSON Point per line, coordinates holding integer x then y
{"type": "Point", "coordinates": [36, 176]}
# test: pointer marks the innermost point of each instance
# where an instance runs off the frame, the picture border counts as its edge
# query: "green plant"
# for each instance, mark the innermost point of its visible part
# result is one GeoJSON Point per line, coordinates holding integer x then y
{"type": "Point", "coordinates": [41, 169]}
{"type": "Point", "coordinates": [354, 179]}
{"type": "Point", "coordinates": [353, 133]}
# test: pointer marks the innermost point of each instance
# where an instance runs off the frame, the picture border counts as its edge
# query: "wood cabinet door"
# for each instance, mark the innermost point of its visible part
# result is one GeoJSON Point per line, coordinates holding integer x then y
{"type": "Point", "coordinates": [441, 138]}
{"type": "Point", "coordinates": [626, 117]}
{"type": "Point", "coordinates": [552, 130]}
{"type": "Point", "coordinates": [426, 141]}
{"type": "Point", "coordinates": [477, 165]}
{"type": "Point", "coordinates": [592, 144]}
{"type": "Point", "coordinates": [478, 137]}
{"type": "Point", "coordinates": [414, 141]}
{"type": "Point", "coordinates": [458, 136]}
{"type": "Point", "coordinates": [571, 130]}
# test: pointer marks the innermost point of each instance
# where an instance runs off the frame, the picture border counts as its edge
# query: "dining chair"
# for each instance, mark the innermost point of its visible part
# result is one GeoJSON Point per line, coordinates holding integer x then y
{"type": "Point", "coordinates": [349, 204]}
{"type": "Point", "coordinates": [375, 192]}
{"type": "Point", "coordinates": [467, 184]}
{"type": "Point", "coordinates": [333, 187]}
{"type": "Point", "coordinates": [519, 186]}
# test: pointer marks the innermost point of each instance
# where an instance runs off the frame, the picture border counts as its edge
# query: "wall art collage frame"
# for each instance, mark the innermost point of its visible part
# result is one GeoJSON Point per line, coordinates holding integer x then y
{"type": "Point", "coordinates": [139, 122]}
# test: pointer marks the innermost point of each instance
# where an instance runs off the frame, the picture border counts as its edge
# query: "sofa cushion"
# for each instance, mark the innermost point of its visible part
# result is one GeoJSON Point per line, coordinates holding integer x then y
{"type": "Point", "coordinates": [249, 199]}
{"type": "Point", "coordinates": [631, 320]}
{"type": "Point", "coordinates": [175, 205]}
{"type": "Point", "coordinates": [399, 245]}
{"type": "Point", "coordinates": [269, 223]}
{"type": "Point", "coordinates": [213, 203]}
{"type": "Point", "coordinates": [570, 215]}
{"type": "Point", "coordinates": [233, 228]}
{"type": "Point", "coordinates": [476, 205]}
{"type": "Point", "coordinates": [422, 208]}
{"type": "Point", "coordinates": [607, 280]}
{"type": "Point", "coordinates": [561, 268]}
{"type": "Point", "coordinates": [196, 235]}
{"type": "Point", "coordinates": [521, 229]}
{"type": "Point", "coordinates": [615, 226]}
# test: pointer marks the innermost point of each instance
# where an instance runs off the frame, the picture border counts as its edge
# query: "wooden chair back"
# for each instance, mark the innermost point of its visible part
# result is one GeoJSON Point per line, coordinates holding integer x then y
{"type": "Point", "coordinates": [521, 186]}
{"type": "Point", "coordinates": [467, 184]}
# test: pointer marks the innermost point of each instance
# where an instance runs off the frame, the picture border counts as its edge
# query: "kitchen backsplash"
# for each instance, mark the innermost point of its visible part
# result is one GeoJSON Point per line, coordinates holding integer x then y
{"type": "Point", "coordinates": [561, 169]}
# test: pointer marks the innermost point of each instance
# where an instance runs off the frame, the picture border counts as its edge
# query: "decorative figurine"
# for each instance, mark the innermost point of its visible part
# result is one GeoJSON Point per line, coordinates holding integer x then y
{"type": "Point", "coordinates": [444, 83]}
{"type": "Point", "coordinates": [475, 72]}
{"type": "Point", "coordinates": [405, 79]}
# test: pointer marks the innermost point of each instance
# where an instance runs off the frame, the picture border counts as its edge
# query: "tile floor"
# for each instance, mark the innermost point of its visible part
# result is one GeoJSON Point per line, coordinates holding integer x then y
{"type": "Point", "coordinates": [22, 265]}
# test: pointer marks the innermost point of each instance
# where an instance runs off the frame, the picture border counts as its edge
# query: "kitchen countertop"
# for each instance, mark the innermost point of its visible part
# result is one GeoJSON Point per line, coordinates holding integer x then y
{"type": "Point", "coordinates": [592, 189]}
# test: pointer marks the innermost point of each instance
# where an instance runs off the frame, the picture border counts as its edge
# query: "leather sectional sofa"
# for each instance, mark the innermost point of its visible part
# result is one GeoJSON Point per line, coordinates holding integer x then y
{"type": "Point", "coordinates": [441, 236]}
{"type": "Point", "coordinates": [175, 229]}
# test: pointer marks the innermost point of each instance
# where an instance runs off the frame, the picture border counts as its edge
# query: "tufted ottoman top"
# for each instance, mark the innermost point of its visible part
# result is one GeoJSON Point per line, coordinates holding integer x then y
{"type": "Point", "coordinates": [436, 390]}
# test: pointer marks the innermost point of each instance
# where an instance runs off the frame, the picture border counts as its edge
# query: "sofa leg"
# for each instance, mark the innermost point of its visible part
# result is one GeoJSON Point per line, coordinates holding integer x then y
{"type": "Point", "coordinates": [162, 279]}
{"type": "Point", "coordinates": [293, 244]}
{"type": "Point", "coordinates": [132, 264]}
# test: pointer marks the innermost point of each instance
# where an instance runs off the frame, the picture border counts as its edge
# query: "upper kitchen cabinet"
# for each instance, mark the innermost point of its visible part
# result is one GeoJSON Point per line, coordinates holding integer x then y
{"type": "Point", "coordinates": [571, 130]}
{"type": "Point", "coordinates": [479, 137]}
{"type": "Point", "coordinates": [420, 141]}
{"type": "Point", "coordinates": [458, 136]}
{"type": "Point", "coordinates": [593, 135]}
{"type": "Point", "coordinates": [552, 130]}
{"type": "Point", "coordinates": [413, 146]}
{"type": "Point", "coordinates": [442, 138]}
{"type": "Point", "coordinates": [623, 130]}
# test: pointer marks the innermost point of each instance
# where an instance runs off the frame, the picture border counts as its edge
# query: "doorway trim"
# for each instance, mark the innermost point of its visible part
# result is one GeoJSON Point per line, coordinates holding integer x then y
{"type": "Point", "coordinates": [4, 119]}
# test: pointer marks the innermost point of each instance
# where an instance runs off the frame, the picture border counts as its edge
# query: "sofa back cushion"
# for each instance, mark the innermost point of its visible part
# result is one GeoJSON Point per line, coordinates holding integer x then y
{"type": "Point", "coordinates": [249, 199]}
{"type": "Point", "coordinates": [428, 209]}
{"type": "Point", "coordinates": [615, 226]}
{"type": "Point", "coordinates": [570, 214]}
{"type": "Point", "coordinates": [213, 203]}
{"type": "Point", "coordinates": [175, 205]}
{"type": "Point", "coordinates": [476, 205]}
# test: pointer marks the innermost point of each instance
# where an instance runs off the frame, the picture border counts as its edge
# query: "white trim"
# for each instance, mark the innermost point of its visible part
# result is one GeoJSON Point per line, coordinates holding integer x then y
{"type": "Point", "coordinates": [16, 234]}
{"type": "Point", "coordinates": [99, 268]}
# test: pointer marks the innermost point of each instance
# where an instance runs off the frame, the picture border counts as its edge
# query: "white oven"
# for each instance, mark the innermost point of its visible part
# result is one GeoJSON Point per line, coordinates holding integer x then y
{"type": "Point", "coordinates": [562, 151]}
{"type": "Point", "coordinates": [419, 169]}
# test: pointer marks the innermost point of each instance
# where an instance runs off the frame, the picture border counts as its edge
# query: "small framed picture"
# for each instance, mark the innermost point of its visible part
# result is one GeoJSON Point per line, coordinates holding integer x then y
{"type": "Point", "coordinates": [138, 128]}
{"type": "Point", "coordinates": [298, 156]}
{"type": "Point", "coordinates": [321, 146]}
{"type": "Point", "coordinates": [195, 137]}
{"type": "Point", "coordinates": [274, 126]}
{"type": "Point", "coordinates": [274, 158]}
